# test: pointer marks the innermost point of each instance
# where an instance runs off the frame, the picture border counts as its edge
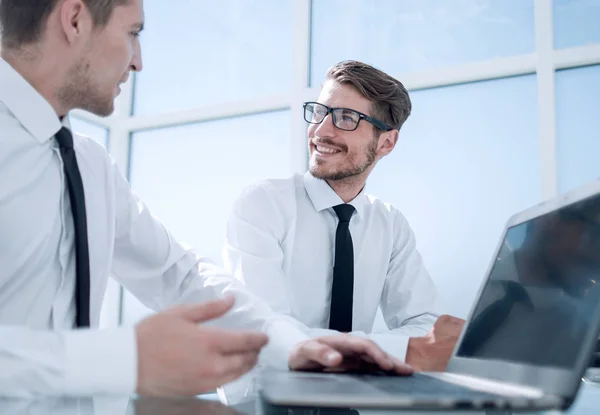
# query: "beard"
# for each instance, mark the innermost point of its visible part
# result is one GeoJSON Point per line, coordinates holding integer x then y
{"type": "Point", "coordinates": [80, 91]}
{"type": "Point", "coordinates": [354, 169]}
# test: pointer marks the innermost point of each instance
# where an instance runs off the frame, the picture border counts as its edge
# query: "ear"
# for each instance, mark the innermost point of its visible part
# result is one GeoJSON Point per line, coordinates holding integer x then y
{"type": "Point", "coordinates": [75, 20]}
{"type": "Point", "coordinates": [387, 142]}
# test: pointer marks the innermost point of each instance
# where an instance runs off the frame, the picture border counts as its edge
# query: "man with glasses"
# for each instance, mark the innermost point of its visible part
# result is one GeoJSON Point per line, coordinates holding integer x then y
{"type": "Point", "coordinates": [317, 248]}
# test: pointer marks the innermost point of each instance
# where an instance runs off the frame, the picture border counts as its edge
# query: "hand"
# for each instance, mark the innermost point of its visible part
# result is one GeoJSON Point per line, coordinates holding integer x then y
{"type": "Point", "coordinates": [433, 351]}
{"type": "Point", "coordinates": [176, 356]}
{"type": "Point", "coordinates": [344, 352]}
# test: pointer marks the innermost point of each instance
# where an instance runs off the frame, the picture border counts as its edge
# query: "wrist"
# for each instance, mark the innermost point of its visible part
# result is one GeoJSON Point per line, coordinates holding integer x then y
{"type": "Point", "coordinates": [414, 352]}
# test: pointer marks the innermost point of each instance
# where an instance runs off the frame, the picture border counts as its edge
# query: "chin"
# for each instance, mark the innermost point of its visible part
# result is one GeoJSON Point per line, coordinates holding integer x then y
{"type": "Point", "coordinates": [334, 174]}
{"type": "Point", "coordinates": [315, 170]}
{"type": "Point", "coordinates": [321, 173]}
{"type": "Point", "coordinates": [102, 109]}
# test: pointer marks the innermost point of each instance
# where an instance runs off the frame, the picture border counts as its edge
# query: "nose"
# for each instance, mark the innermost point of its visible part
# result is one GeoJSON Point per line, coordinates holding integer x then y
{"type": "Point", "coordinates": [326, 127]}
{"type": "Point", "coordinates": [136, 58]}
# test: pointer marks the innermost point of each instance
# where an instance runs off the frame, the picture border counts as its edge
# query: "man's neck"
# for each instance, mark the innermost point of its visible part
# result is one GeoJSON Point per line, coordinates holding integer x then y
{"type": "Point", "coordinates": [40, 72]}
{"type": "Point", "coordinates": [347, 189]}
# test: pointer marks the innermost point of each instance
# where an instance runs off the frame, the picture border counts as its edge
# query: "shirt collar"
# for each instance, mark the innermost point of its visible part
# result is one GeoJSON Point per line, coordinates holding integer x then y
{"type": "Point", "coordinates": [324, 197]}
{"type": "Point", "coordinates": [31, 109]}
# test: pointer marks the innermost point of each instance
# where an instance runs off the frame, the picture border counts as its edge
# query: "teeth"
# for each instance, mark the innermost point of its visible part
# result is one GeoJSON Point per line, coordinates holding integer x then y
{"type": "Point", "coordinates": [326, 150]}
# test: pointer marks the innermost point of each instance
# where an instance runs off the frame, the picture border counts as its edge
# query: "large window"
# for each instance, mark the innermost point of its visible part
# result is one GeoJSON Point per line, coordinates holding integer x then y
{"type": "Point", "coordinates": [190, 175]}
{"type": "Point", "coordinates": [576, 23]}
{"type": "Point", "coordinates": [416, 35]}
{"type": "Point", "coordinates": [578, 126]}
{"type": "Point", "coordinates": [205, 52]}
{"type": "Point", "coordinates": [505, 112]}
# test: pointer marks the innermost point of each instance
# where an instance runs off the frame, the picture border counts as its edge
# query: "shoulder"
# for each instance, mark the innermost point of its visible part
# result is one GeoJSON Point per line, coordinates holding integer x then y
{"type": "Point", "coordinates": [271, 191]}
{"type": "Point", "coordinates": [96, 163]}
{"type": "Point", "coordinates": [90, 150]}
{"type": "Point", "coordinates": [87, 145]}
{"type": "Point", "coordinates": [268, 203]}
{"type": "Point", "coordinates": [12, 132]}
{"type": "Point", "coordinates": [385, 211]}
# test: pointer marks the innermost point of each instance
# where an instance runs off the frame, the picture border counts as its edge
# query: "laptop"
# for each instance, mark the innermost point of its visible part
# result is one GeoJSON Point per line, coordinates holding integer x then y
{"type": "Point", "coordinates": [528, 338]}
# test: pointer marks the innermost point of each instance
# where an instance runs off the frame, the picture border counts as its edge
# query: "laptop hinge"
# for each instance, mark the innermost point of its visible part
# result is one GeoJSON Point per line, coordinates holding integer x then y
{"type": "Point", "coordinates": [488, 385]}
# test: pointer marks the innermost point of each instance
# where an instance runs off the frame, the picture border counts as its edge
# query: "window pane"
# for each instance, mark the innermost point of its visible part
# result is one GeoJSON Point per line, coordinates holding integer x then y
{"type": "Point", "coordinates": [95, 132]}
{"type": "Point", "coordinates": [201, 52]}
{"type": "Point", "coordinates": [190, 175]}
{"type": "Point", "coordinates": [466, 160]}
{"type": "Point", "coordinates": [578, 126]}
{"type": "Point", "coordinates": [576, 22]}
{"type": "Point", "coordinates": [411, 35]}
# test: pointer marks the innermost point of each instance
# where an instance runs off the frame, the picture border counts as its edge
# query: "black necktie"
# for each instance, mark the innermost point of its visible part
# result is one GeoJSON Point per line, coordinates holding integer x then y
{"type": "Point", "coordinates": [342, 288]}
{"type": "Point", "coordinates": [76, 195]}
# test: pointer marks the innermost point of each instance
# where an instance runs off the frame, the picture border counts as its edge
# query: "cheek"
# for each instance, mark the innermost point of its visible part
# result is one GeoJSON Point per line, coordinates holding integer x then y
{"type": "Point", "coordinates": [359, 150]}
{"type": "Point", "coordinates": [353, 155]}
{"type": "Point", "coordinates": [121, 53]}
{"type": "Point", "coordinates": [127, 54]}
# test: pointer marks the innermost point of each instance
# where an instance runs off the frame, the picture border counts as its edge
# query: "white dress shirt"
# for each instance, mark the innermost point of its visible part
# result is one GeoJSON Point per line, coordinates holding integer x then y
{"type": "Point", "coordinates": [280, 242]}
{"type": "Point", "coordinates": [40, 354]}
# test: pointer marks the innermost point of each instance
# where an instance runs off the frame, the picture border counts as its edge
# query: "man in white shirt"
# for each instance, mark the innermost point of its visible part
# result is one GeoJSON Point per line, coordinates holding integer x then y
{"type": "Point", "coordinates": [68, 218]}
{"type": "Point", "coordinates": [317, 248]}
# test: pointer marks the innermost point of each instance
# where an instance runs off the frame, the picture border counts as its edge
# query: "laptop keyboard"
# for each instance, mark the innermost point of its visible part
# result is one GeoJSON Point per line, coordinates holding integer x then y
{"type": "Point", "coordinates": [419, 384]}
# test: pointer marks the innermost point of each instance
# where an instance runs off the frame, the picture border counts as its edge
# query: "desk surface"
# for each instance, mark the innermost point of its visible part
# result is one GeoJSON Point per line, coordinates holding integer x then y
{"type": "Point", "coordinates": [587, 402]}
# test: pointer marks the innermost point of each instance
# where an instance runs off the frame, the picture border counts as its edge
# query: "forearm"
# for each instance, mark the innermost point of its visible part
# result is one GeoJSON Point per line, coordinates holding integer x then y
{"type": "Point", "coordinates": [38, 363]}
{"type": "Point", "coordinates": [284, 334]}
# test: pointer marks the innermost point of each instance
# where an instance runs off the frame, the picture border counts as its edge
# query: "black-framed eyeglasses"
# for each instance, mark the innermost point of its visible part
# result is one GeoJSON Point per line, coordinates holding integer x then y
{"type": "Point", "coordinates": [343, 118]}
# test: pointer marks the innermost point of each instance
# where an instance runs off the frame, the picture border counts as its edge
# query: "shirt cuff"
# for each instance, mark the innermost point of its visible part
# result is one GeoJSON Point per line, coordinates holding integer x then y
{"type": "Point", "coordinates": [284, 335]}
{"type": "Point", "coordinates": [99, 362]}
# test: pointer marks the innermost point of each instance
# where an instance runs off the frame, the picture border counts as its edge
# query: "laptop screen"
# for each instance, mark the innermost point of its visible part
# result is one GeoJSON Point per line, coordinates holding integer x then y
{"type": "Point", "coordinates": [543, 290]}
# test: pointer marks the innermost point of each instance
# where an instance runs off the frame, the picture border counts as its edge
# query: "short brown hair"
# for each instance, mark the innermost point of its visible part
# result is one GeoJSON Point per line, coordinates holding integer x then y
{"type": "Point", "coordinates": [23, 21]}
{"type": "Point", "coordinates": [391, 103]}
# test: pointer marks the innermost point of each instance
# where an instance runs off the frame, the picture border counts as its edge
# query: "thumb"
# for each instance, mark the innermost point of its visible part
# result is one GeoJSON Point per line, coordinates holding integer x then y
{"type": "Point", "coordinates": [209, 310]}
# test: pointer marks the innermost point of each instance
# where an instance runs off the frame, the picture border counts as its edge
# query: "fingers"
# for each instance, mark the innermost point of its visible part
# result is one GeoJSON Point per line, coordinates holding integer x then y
{"type": "Point", "coordinates": [352, 345]}
{"type": "Point", "coordinates": [401, 368]}
{"type": "Point", "coordinates": [209, 310]}
{"type": "Point", "coordinates": [367, 358]}
{"type": "Point", "coordinates": [230, 342]}
{"type": "Point", "coordinates": [345, 353]}
{"type": "Point", "coordinates": [313, 354]}
{"type": "Point", "coordinates": [233, 366]}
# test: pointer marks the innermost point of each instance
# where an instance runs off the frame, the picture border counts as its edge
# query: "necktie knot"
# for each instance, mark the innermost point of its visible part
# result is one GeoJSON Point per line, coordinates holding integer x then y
{"type": "Point", "coordinates": [64, 138]}
{"type": "Point", "coordinates": [344, 212]}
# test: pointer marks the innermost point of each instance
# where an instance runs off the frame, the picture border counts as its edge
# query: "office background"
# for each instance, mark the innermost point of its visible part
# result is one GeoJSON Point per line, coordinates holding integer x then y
{"type": "Point", "coordinates": [506, 113]}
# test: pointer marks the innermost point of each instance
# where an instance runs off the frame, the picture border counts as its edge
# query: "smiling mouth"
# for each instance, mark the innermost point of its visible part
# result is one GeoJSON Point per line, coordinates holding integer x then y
{"type": "Point", "coordinates": [321, 149]}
